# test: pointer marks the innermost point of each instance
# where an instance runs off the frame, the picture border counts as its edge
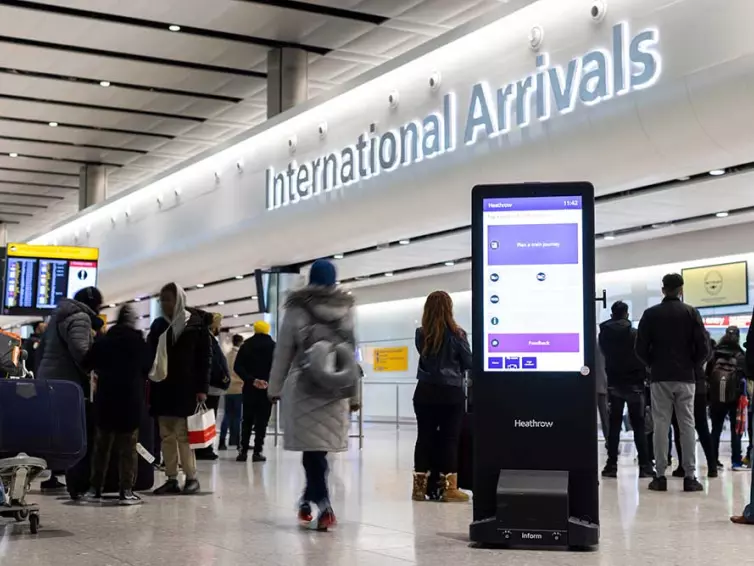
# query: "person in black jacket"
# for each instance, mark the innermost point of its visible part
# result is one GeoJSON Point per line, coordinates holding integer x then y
{"type": "Point", "coordinates": [626, 375]}
{"type": "Point", "coordinates": [747, 517]}
{"type": "Point", "coordinates": [673, 343]}
{"type": "Point", "coordinates": [31, 345]}
{"type": "Point", "coordinates": [219, 381]}
{"type": "Point", "coordinates": [253, 365]}
{"type": "Point", "coordinates": [174, 396]}
{"type": "Point", "coordinates": [439, 399]}
{"type": "Point", "coordinates": [118, 359]}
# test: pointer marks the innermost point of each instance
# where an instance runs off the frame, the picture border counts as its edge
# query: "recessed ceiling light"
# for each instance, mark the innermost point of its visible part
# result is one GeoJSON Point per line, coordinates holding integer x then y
{"type": "Point", "coordinates": [247, 325]}
{"type": "Point", "coordinates": [337, 282]}
{"type": "Point", "coordinates": [609, 236]}
{"type": "Point", "coordinates": [200, 286]}
{"type": "Point", "coordinates": [112, 306]}
{"type": "Point", "coordinates": [174, 28]}
{"type": "Point", "coordinates": [722, 214]}
{"type": "Point", "coordinates": [220, 303]}
{"type": "Point", "coordinates": [104, 83]}
{"type": "Point", "coordinates": [404, 242]}
{"type": "Point", "coordinates": [389, 274]}
{"type": "Point", "coordinates": [684, 178]}
{"type": "Point", "coordinates": [53, 124]}
{"type": "Point", "coordinates": [450, 263]}
{"type": "Point", "coordinates": [239, 276]}
{"type": "Point", "coordinates": [338, 256]}
{"type": "Point", "coordinates": [235, 316]}
{"type": "Point", "coordinates": [13, 154]}
{"type": "Point", "coordinates": [254, 298]}
{"type": "Point", "coordinates": [137, 299]}
{"type": "Point", "coordinates": [717, 172]}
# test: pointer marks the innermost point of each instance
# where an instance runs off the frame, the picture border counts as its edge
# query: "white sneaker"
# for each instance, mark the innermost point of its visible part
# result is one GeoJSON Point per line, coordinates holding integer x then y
{"type": "Point", "coordinates": [129, 498]}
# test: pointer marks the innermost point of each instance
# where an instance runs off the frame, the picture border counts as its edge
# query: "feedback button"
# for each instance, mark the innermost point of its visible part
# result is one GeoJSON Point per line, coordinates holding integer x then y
{"type": "Point", "coordinates": [534, 343]}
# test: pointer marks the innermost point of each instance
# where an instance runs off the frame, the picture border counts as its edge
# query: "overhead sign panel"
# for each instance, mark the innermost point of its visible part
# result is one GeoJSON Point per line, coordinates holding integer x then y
{"type": "Point", "coordinates": [722, 285]}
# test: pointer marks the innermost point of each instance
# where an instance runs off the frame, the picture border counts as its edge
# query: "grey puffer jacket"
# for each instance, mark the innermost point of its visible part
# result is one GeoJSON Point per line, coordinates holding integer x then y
{"type": "Point", "coordinates": [66, 342]}
{"type": "Point", "coordinates": [310, 423]}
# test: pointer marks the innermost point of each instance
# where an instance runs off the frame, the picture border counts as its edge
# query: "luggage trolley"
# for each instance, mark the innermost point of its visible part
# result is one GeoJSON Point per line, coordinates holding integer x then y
{"type": "Point", "coordinates": [16, 475]}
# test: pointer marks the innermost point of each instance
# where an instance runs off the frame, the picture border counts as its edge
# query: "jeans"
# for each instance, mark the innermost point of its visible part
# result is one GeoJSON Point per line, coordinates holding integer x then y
{"type": "Point", "coordinates": [257, 409]}
{"type": "Point", "coordinates": [666, 397]}
{"type": "Point", "coordinates": [316, 468]}
{"type": "Point", "coordinates": [232, 419]}
{"type": "Point", "coordinates": [175, 443]}
{"type": "Point", "coordinates": [718, 412]}
{"type": "Point", "coordinates": [124, 444]}
{"type": "Point", "coordinates": [635, 402]}
{"type": "Point", "coordinates": [438, 437]}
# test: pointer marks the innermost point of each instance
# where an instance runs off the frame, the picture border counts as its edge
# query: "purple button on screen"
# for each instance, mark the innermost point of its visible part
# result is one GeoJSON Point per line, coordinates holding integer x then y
{"type": "Point", "coordinates": [540, 343]}
{"type": "Point", "coordinates": [533, 244]}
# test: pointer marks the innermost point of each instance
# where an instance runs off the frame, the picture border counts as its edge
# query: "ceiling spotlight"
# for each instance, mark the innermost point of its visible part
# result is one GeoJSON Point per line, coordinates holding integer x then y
{"type": "Point", "coordinates": [174, 28]}
{"type": "Point", "coordinates": [404, 242]}
{"type": "Point", "coordinates": [200, 286]}
{"type": "Point", "coordinates": [389, 274]}
{"type": "Point", "coordinates": [239, 276]}
{"type": "Point", "coordinates": [450, 263]}
{"type": "Point", "coordinates": [220, 303]}
{"type": "Point", "coordinates": [112, 306]}
{"type": "Point", "coordinates": [684, 178]}
{"type": "Point", "coordinates": [609, 237]}
{"type": "Point", "coordinates": [247, 325]}
{"type": "Point", "coordinates": [13, 154]}
{"type": "Point", "coordinates": [137, 299]}
{"type": "Point", "coordinates": [338, 256]}
{"type": "Point", "coordinates": [717, 172]}
{"type": "Point", "coordinates": [722, 214]}
{"type": "Point", "coordinates": [235, 316]}
{"type": "Point", "coordinates": [254, 297]}
{"type": "Point", "coordinates": [104, 83]}
{"type": "Point", "coordinates": [53, 124]}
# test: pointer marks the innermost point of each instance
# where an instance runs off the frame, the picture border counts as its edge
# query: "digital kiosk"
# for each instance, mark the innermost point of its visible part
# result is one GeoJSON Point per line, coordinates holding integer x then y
{"type": "Point", "coordinates": [534, 331]}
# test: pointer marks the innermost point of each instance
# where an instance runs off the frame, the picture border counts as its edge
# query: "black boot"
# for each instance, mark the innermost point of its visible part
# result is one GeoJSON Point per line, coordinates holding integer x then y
{"type": "Point", "coordinates": [243, 456]}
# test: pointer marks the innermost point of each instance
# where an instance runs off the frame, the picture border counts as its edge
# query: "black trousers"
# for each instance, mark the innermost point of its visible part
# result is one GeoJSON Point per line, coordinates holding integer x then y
{"type": "Point", "coordinates": [257, 409]}
{"type": "Point", "coordinates": [438, 437]}
{"type": "Point", "coordinates": [124, 444]}
{"type": "Point", "coordinates": [702, 431]}
{"type": "Point", "coordinates": [316, 468]}
{"type": "Point", "coordinates": [635, 402]}
{"type": "Point", "coordinates": [718, 412]}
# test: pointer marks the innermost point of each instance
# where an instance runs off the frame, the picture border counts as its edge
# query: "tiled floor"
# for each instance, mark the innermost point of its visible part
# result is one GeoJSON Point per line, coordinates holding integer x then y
{"type": "Point", "coordinates": [248, 518]}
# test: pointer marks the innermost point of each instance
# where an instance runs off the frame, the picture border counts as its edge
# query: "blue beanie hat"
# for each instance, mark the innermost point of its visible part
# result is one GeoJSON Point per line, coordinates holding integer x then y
{"type": "Point", "coordinates": [322, 273]}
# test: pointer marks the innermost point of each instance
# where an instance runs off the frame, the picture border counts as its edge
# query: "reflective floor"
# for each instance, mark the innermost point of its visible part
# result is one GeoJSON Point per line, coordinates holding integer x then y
{"type": "Point", "coordinates": [247, 517]}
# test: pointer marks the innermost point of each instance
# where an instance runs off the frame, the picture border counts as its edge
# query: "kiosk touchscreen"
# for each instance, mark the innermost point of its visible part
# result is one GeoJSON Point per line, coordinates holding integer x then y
{"type": "Point", "coordinates": [535, 419]}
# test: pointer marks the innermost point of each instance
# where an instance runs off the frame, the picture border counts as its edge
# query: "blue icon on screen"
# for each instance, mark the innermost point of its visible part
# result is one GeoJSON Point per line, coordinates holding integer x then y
{"type": "Point", "coordinates": [529, 363]}
{"type": "Point", "coordinates": [513, 363]}
{"type": "Point", "coordinates": [495, 299]}
{"type": "Point", "coordinates": [495, 321]}
{"type": "Point", "coordinates": [541, 276]}
{"type": "Point", "coordinates": [496, 363]}
{"type": "Point", "coordinates": [494, 278]}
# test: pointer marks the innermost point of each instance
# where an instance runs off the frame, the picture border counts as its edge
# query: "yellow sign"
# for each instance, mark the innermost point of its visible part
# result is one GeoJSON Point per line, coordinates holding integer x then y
{"type": "Point", "coordinates": [53, 252]}
{"type": "Point", "coordinates": [716, 285]}
{"type": "Point", "coordinates": [391, 359]}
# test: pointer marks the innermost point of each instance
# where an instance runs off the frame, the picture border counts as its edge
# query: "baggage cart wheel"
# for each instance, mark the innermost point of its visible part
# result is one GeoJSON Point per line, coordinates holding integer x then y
{"type": "Point", "coordinates": [34, 524]}
{"type": "Point", "coordinates": [21, 516]}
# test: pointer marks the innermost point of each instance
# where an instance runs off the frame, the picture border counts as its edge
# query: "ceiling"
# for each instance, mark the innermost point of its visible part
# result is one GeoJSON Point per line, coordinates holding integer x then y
{"type": "Point", "coordinates": [169, 95]}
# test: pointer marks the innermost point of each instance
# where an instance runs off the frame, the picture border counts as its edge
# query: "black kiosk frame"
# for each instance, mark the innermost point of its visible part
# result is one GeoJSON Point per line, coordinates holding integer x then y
{"type": "Point", "coordinates": [535, 429]}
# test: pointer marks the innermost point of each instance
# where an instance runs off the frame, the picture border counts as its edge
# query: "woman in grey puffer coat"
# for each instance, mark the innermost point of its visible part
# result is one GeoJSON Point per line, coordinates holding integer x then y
{"type": "Point", "coordinates": [313, 424]}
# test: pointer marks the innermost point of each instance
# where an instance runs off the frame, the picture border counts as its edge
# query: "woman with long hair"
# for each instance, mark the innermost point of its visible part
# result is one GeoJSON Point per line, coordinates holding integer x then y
{"type": "Point", "coordinates": [439, 399]}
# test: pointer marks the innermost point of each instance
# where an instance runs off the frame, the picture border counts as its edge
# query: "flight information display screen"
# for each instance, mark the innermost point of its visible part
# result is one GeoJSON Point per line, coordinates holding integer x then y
{"type": "Point", "coordinates": [533, 284]}
{"type": "Point", "coordinates": [37, 277]}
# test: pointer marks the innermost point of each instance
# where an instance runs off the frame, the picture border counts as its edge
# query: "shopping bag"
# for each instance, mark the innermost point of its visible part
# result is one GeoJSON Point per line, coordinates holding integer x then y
{"type": "Point", "coordinates": [201, 427]}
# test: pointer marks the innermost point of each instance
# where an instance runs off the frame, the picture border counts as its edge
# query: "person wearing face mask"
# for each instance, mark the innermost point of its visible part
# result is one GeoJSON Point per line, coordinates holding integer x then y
{"type": "Point", "coordinates": [726, 375]}
{"type": "Point", "coordinates": [65, 344]}
{"type": "Point", "coordinates": [180, 340]}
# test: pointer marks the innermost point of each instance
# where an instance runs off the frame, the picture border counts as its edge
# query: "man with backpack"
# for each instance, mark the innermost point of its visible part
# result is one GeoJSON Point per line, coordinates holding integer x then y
{"type": "Point", "coordinates": [726, 376]}
{"type": "Point", "coordinates": [673, 343]}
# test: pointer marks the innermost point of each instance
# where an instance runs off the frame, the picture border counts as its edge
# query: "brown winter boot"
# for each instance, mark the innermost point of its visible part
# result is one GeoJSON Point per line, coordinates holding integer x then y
{"type": "Point", "coordinates": [449, 492]}
{"type": "Point", "coordinates": [420, 486]}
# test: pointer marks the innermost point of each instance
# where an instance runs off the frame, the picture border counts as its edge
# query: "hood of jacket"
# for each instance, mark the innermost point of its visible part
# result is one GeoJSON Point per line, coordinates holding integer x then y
{"type": "Point", "coordinates": [327, 304]}
{"type": "Point", "coordinates": [69, 307]}
{"type": "Point", "coordinates": [616, 327]}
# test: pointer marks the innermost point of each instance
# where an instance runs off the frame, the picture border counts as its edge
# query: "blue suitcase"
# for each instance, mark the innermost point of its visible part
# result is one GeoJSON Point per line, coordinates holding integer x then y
{"type": "Point", "coordinates": [43, 418]}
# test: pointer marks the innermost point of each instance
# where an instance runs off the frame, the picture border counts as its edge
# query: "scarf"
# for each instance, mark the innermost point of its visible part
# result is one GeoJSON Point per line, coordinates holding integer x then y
{"type": "Point", "coordinates": [180, 315]}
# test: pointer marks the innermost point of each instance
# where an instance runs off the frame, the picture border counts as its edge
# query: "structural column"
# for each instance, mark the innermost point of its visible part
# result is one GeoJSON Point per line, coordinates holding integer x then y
{"type": "Point", "coordinates": [3, 234]}
{"type": "Point", "coordinates": [92, 185]}
{"type": "Point", "coordinates": [287, 79]}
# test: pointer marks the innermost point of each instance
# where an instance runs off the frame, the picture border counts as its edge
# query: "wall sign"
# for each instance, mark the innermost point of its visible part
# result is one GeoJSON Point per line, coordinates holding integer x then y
{"type": "Point", "coordinates": [632, 63]}
{"type": "Point", "coordinates": [391, 359]}
{"type": "Point", "coordinates": [723, 285]}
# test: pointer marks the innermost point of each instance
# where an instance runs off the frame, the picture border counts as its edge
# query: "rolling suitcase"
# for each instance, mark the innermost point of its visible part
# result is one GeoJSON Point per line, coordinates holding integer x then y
{"type": "Point", "coordinates": [44, 419]}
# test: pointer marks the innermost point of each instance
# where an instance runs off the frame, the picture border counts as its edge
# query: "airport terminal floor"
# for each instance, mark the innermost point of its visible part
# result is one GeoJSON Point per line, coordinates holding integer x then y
{"type": "Point", "coordinates": [246, 516]}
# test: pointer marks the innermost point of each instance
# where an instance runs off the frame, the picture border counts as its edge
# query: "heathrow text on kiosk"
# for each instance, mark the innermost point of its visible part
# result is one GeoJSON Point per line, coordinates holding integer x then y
{"type": "Point", "coordinates": [632, 63]}
{"type": "Point", "coordinates": [532, 424]}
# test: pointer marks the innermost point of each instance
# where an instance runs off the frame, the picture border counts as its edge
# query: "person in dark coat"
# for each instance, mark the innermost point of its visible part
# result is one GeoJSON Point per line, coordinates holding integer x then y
{"type": "Point", "coordinates": [253, 365]}
{"type": "Point", "coordinates": [174, 395]}
{"type": "Point", "coordinates": [626, 378]}
{"type": "Point", "coordinates": [65, 343]}
{"type": "Point", "coordinates": [219, 381]}
{"type": "Point", "coordinates": [118, 359]}
{"type": "Point", "coordinates": [31, 345]}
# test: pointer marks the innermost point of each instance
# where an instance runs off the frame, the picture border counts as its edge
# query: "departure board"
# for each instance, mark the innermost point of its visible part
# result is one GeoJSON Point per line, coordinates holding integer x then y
{"type": "Point", "coordinates": [37, 277]}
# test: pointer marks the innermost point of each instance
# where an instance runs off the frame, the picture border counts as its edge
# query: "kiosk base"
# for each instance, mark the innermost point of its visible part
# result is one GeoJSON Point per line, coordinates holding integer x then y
{"type": "Point", "coordinates": [533, 511]}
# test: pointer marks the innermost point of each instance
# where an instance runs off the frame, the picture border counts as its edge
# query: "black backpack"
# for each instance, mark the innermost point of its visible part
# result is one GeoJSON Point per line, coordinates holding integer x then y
{"type": "Point", "coordinates": [724, 381]}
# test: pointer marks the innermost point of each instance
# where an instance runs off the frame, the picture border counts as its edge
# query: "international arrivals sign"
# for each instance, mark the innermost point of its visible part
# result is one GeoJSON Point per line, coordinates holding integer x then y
{"type": "Point", "coordinates": [632, 63]}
